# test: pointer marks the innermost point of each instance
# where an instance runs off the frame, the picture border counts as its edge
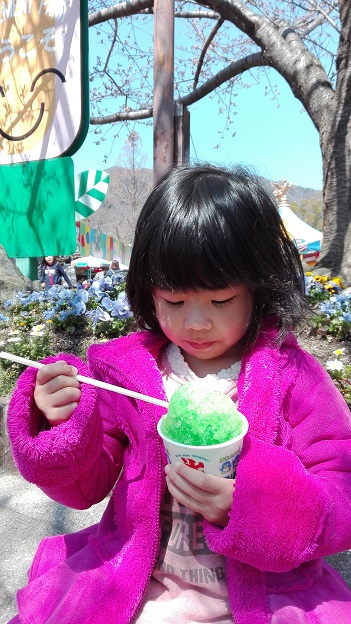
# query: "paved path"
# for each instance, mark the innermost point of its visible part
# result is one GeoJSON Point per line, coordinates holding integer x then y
{"type": "Point", "coordinates": [27, 515]}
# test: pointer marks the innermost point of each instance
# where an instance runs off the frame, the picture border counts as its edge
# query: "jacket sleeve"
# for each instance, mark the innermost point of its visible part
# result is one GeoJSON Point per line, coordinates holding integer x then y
{"type": "Point", "coordinates": [42, 273]}
{"type": "Point", "coordinates": [75, 463]}
{"type": "Point", "coordinates": [292, 503]}
{"type": "Point", "coordinates": [64, 275]}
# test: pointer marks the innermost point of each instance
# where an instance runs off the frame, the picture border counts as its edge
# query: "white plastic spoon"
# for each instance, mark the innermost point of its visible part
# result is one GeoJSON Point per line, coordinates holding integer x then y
{"type": "Point", "coordinates": [89, 380]}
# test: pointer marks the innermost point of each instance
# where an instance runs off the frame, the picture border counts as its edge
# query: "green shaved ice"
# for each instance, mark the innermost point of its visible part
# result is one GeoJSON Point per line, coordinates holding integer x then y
{"type": "Point", "coordinates": [201, 417]}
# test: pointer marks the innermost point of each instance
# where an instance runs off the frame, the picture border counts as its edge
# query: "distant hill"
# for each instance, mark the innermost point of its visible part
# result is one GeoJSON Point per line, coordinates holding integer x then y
{"type": "Point", "coordinates": [126, 194]}
{"type": "Point", "coordinates": [128, 190]}
{"type": "Point", "coordinates": [298, 194]}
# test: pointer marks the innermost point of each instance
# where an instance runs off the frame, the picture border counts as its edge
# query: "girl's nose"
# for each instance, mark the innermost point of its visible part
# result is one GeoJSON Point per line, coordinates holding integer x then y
{"type": "Point", "coordinates": [197, 319]}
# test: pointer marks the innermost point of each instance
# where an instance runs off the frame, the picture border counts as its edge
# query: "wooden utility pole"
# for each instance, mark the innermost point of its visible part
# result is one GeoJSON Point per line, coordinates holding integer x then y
{"type": "Point", "coordinates": [163, 106]}
{"type": "Point", "coordinates": [181, 134]}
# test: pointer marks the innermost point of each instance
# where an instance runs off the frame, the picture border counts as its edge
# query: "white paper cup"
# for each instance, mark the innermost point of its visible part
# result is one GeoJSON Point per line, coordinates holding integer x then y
{"type": "Point", "coordinates": [218, 459]}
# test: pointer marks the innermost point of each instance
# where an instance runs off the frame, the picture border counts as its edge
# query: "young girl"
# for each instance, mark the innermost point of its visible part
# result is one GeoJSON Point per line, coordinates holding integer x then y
{"type": "Point", "coordinates": [52, 272]}
{"type": "Point", "coordinates": [216, 284]}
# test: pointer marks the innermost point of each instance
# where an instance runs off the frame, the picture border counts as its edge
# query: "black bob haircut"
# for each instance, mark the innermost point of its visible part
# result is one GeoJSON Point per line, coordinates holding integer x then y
{"type": "Point", "coordinates": [205, 227]}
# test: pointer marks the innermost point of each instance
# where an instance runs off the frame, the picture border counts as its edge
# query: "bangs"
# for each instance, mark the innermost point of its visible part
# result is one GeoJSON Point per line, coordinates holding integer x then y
{"type": "Point", "coordinates": [194, 250]}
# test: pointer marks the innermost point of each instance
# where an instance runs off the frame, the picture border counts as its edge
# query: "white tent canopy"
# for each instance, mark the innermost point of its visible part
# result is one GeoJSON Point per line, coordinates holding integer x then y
{"type": "Point", "coordinates": [93, 262]}
{"type": "Point", "coordinates": [90, 262]}
{"type": "Point", "coordinates": [299, 230]}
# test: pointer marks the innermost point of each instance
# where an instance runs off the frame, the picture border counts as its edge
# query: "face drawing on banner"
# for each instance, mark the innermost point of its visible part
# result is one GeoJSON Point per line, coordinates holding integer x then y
{"type": "Point", "coordinates": [33, 77]}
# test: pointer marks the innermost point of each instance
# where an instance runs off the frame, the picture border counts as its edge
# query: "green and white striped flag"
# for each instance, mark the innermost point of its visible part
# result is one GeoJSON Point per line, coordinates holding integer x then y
{"type": "Point", "coordinates": [90, 191]}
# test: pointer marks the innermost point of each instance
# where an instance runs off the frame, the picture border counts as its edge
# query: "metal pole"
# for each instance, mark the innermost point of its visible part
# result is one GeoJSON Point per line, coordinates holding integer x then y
{"type": "Point", "coordinates": [163, 108]}
{"type": "Point", "coordinates": [181, 134]}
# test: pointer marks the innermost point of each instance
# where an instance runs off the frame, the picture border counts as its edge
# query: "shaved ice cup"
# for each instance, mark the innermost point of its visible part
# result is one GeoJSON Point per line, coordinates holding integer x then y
{"type": "Point", "coordinates": [217, 459]}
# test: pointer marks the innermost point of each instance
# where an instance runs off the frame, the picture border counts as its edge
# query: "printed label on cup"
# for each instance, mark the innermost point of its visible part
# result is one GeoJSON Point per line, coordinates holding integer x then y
{"type": "Point", "coordinates": [217, 459]}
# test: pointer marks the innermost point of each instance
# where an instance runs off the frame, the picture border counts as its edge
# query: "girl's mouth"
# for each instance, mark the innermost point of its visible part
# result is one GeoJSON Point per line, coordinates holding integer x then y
{"type": "Point", "coordinates": [200, 345]}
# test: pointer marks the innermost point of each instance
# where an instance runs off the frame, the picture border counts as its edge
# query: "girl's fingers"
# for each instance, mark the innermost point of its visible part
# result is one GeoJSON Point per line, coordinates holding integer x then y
{"type": "Point", "coordinates": [57, 383]}
{"type": "Point", "coordinates": [206, 494]}
{"type": "Point", "coordinates": [182, 473]}
{"type": "Point", "coordinates": [185, 496]}
{"type": "Point", "coordinates": [50, 401]}
{"type": "Point", "coordinates": [57, 391]}
{"type": "Point", "coordinates": [65, 396]}
{"type": "Point", "coordinates": [61, 414]}
{"type": "Point", "coordinates": [196, 488]}
{"type": "Point", "coordinates": [49, 371]}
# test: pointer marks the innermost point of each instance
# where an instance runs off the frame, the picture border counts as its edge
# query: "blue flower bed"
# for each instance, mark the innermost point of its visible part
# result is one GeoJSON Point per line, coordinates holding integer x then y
{"type": "Point", "coordinates": [331, 306]}
{"type": "Point", "coordinates": [30, 324]}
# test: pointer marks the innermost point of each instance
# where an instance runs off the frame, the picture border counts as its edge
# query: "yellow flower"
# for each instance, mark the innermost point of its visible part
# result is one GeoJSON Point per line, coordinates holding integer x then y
{"type": "Point", "coordinates": [339, 351]}
{"type": "Point", "coordinates": [308, 273]}
{"type": "Point", "coordinates": [21, 323]}
{"type": "Point", "coordinates": [338, 281]}
{"type": "Point", "coordinates": [49, 321]}
{"type": "Point", "coordinates": [322, 278]}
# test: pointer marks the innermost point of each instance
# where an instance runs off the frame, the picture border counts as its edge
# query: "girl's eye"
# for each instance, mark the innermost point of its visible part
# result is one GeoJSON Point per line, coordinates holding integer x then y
{"type": "Point", "coordinates": [223, 302]}
{"type": "Point", "coordinates": [174, 303]}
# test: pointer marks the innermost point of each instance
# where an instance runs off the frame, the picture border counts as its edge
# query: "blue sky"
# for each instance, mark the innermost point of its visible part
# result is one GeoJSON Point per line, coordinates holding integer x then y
{"type": "Point", "coordinates": [276, 137]}
{"type": "Point", "coordinates": [278, 142]}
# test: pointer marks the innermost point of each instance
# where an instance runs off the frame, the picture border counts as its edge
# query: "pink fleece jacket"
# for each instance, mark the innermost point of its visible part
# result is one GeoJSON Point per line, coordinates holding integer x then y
{"type": "Point", "coordinates": [291, 505]}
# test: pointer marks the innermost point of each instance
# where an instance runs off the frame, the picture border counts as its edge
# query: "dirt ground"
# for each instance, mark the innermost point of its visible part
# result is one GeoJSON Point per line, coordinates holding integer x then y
{"type": "Point", "coordinates": [322, 348]}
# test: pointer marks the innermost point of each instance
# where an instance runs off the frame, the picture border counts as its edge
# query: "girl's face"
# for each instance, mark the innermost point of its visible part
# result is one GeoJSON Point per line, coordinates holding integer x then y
{"type": "Point", "coordinates": [207, 325]}
{"type": "Point", "coordinates": [49, 259]}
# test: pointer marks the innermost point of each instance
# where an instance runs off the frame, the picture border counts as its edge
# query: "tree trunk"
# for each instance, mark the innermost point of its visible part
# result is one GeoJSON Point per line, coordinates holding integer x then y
{"type": "Point", "coordinates": [329, 111]}
{"type": "Point", "coordinates": [335, 141]}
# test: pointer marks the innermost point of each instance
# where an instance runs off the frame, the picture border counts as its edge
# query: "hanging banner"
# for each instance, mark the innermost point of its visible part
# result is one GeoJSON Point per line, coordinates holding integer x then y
{"type": "Point", "coordinates": [32, 222]}
{"type": "Point", "coordinates": [90, 188]}
{"type": "Point", "coordinates": [44, 102]}
{"type": "Point", "coordinates": [95, 243]}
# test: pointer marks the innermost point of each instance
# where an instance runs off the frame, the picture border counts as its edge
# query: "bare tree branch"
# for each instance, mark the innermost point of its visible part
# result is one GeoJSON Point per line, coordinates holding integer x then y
{"type": "Point", "coordinates": [270, 34]}
{"type": "Point", "coordinates": [204, 50]}
{"type": "Point", "coordinates": [236, 12]}
{"type": "Point", "coordinates": [114, 38]}
{"type": "Point", "coordinates": [125, 116]}
{"type": "Point", "coordinates": [188, 14]}
{"type": "Point", "coordinates": [130, 7]}
{"type": "Point", "coordinates": [308, 28]}
{"type": "Point", "coordinates": [324, 15]}
{"type": "Point", "coordinates": [198, 14]}
{"type": "Point", "coordinates": [234, 69]}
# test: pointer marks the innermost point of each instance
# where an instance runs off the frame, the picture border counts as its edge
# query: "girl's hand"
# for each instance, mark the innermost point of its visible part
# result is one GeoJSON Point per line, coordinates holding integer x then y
{"type": "Point", "coordinates": [206, 494]}
{"type": "Point", "coordinates": [57, 391]}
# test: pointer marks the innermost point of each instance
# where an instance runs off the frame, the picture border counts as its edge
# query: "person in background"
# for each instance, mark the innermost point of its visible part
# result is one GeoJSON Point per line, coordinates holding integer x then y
{"type": "Point", "coordinates": [116, 273]}
{"type": "Point", "coordinates": [52, 273]}
{"type": "Point", "coordinates": [115, 265]}
{"type": "Point", "coordinates": [104, 272]}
